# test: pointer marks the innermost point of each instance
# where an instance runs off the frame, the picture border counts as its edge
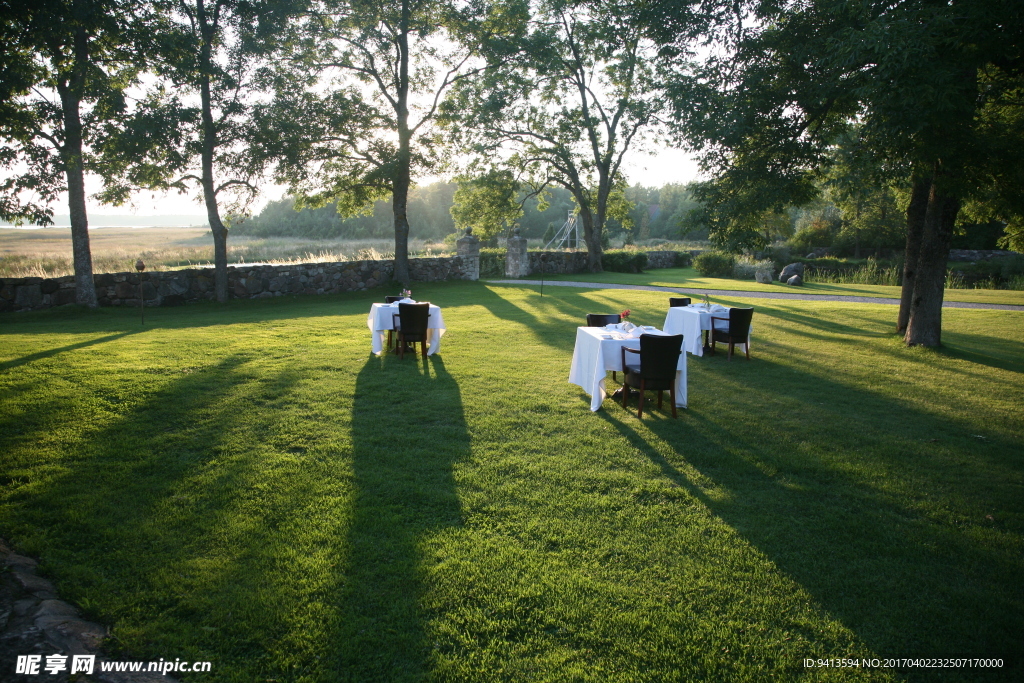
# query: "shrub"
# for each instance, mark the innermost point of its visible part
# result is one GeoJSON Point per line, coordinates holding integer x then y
{"type": "Point", "coordinates": [812, 236]}
{"type": "Point", "coordinates": [683, 259]}
{"type": "Point", "coordinates": [624, 261]}
{"type": "Point", "coordinates": [714, 264]}
{"type": "Point", "coordinates": [746, 267]}
{"type": "Point", "coordinates": [492, 263]}
{"type": "Point", "coordinates": [1001, 273]}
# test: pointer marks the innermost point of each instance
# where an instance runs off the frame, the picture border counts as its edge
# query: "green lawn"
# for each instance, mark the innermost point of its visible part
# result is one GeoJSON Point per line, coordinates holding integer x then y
{"type": "Point", "coordinates": [246, 484]}
{"type": "Point", "coordinates": [689, 278]}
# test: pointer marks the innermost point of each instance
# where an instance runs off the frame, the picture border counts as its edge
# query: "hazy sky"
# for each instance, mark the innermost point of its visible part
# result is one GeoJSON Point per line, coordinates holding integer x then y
{"type": "Point", "coordinates": [667, 166]}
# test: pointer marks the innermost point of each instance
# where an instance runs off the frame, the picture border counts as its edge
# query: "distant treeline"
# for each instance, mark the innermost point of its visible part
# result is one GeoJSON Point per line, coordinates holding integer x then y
{"type": "Point", "coordinates": [656, 213]}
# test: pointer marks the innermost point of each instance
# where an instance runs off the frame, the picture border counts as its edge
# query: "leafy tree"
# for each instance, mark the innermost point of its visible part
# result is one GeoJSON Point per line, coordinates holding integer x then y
{"type": "Point", "coordinates": [568, 115]}
{"type": "Point", "coordinates": [63, 73]}
{"type": "Point", "coordinates": [487, 203]}
{"type": "Point", "coordinates": [195, 130]}
{"type": "Point", "coordinates": [869, 204]}
{"type": "Point", "coordinates": [387, 68]}
{"type": "Point", "coordinates": [788, 79]}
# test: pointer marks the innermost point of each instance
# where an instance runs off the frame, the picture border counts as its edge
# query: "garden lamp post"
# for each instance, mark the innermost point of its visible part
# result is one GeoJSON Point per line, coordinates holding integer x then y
{"type": "Point", "coordinates": [140, 266]}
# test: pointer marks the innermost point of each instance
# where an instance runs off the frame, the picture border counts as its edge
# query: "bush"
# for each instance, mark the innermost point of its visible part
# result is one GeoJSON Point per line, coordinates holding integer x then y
{"type": "Point", "coordinates": [492, 263]}
{"type": "Point", "coordinates": [714, 264]}
{"type": "Point", "coordinates": [1000, 273]}
{"type": "Point", "coordinates": [746, 267]}
{"type": "Point", "coordinates": [683, 259]}
{"type": "Point", "coordinates": [624, 261]}
{"type": "Point", "coordinates": [817, 234]}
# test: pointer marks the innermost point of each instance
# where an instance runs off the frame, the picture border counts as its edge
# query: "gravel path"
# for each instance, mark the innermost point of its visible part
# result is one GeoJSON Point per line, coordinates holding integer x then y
{"type": "Point", "coordinates": [752, 295]}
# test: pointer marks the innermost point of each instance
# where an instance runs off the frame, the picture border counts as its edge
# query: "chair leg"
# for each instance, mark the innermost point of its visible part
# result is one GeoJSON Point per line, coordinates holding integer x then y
{"type": "Point", "coordinates": [731, 344]}
{"type": "Point", "coordinates": [614, 378]}
{"type": "Point", "coordinates": [712, 343]}
{"type": "Point", "coordinates": [659, 399]}
{"type": "Point", "coordinates": [625, 392]}
{"type": "Point", "coordinates": [672, 397]}
{"type": "Point", "coordinates": [640, 409]}
{"type": "Point", "coordinates": [401, 346]}
{"type": "Point", "coordinates": [389, 339]}
{"type": "Point", "coordinates": [423, 348]}
{"type": "Point", "coordinates": [746, 350]}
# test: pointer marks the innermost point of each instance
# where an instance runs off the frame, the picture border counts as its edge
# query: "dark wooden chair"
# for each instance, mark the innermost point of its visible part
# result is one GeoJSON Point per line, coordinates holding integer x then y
{"type": "Point", "coordinates": [411, 326]}
{"type": "Point", "coordinates": [732, 330]}
{"type": "Point", "coordinates": [602, 319]}
{"type": "Point", "coordinates": [391, 300]}
{"type": "Point", "coordinates": [655, 370]}
{"type": "Point", "coordinates": [674, 301]}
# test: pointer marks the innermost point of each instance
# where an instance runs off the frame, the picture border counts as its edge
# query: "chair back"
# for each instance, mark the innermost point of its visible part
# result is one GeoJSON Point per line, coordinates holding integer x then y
{"type": "Point", "coordinates": [659, 355]}
{"type": "Point", "coordinates": [414, 318]}
{"type": "Point", "coordinates": [674, 301]}
{"type": "Point", "coordinates": [739, 322]}
{"type": "Point", "coordinates": [392, 299]}
{"type": "Point", "coordinates": [602, 319]}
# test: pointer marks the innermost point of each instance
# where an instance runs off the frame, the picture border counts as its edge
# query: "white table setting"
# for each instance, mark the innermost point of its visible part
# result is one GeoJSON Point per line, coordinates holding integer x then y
{"type": "Point", "coordinates": [692, 321]}
{"type": "Point", "coordinates": [599, 350]}
{"type": "Point", "coordinates": [381, 319]}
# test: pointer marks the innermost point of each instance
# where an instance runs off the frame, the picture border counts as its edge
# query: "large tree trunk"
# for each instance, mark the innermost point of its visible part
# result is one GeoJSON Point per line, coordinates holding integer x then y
{"type": "Point", "coordinates": [403, 172]}
{"type": "Point", "coordinates": [925, 325]}
{"type": "Point", "coordinates": [591, 237]}
{"type": "Point", "coordinates": [71, 156]}
{"type": "Point", "coordinates": [209, 148]}
{"type": "Point", "coordinates": [915, 229]}
{"type": "Point", "coordinates": [400, 204]}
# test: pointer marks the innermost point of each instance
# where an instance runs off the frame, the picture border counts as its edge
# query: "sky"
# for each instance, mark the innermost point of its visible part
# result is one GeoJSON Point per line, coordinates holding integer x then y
{"type": "Point", "coordinates": [652, 170]}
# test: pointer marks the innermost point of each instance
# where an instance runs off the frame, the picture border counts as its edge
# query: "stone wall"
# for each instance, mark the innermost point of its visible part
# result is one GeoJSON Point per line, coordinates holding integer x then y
{"type": "Point", "coordinates": [975, 255]}
{"type": "Point", "coordinates": [176, 287]}
{"type": "Point", "coordinates": [557, 261]}
{"type": "Point", "coordinates": [661, 259]}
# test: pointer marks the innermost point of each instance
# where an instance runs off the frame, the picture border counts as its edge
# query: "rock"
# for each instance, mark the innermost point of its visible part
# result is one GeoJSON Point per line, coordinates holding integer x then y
{"type": "Point", "coordinates": [173, 300]}
{"type": "Point", "coordinates": [791, 270]}
{"type": "Point", "coordinates": [796, 281]}
{"type": "Point", "coordinates": [36, 585]}
{"type": "Point", "coordinates": [763, 276]}
{"type": "Point", "coordinates": [28, 296]}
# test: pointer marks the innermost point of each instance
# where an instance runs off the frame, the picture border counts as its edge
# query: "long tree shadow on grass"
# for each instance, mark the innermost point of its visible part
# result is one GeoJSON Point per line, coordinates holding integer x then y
{"type": "Point", "coordinates": [846, 521]}
{"type": "Point", "coordinates": [408, 432]}
{"type": "Point", "coordinates": [195, 522]}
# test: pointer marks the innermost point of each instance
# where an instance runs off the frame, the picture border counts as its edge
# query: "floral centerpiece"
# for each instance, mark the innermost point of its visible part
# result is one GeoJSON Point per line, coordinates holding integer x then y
{"type": "Point", "coordinates": [625, 315]}
{"type": "Point", "coordinates": [406, 293]}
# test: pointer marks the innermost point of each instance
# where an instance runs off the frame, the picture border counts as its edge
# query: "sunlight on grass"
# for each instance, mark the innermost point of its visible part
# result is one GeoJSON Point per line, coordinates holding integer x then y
{"type": "Point", "coordinates": [689, 278]}
{"type": "Point", "coordinates": [246, 484]}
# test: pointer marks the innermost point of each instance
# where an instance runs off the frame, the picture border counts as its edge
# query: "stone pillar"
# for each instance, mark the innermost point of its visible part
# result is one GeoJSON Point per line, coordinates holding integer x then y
{"type": "Point", "coordinates": [517, 263]}
{"type": "Point", "coordinates": [468, 247]}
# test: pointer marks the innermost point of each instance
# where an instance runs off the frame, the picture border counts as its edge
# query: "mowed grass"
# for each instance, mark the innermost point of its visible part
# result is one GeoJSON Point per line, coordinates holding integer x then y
{"type": "Point", "coordinates": [246, 484]}
{"type": "Point", "coordinates": [688, 278]}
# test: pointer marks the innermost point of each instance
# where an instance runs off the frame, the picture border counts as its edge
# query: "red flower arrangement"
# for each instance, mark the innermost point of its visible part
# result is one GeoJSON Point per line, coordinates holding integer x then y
{"type": "Point", "coordinates": [625, 314]}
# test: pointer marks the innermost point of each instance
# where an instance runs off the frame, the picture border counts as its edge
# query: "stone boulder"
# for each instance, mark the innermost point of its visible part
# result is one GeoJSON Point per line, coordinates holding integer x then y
{"type": "Point", "coordinates": [795, 280]}
{"type": "Point", "coordinates": [791, 270]}
{"type": "Point", "coordinates": [763, 276]}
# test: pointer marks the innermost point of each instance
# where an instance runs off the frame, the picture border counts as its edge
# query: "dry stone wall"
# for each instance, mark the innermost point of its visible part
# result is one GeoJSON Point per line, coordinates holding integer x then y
{"type": "Point", "coordinates": [177, 287]}
{"type": "Point", "coordinates": [557, 261]}
{"type": "Point", "coordinates": [661, 259]}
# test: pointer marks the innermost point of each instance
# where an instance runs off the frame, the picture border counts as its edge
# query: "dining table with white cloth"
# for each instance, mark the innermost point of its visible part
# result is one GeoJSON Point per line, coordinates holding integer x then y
{"type": "Point", "coordinates": [381, 319]}
{"type": "Point", "coordinates": [691, 322]}
{"type": "Point", "coordinates": [599, 350]}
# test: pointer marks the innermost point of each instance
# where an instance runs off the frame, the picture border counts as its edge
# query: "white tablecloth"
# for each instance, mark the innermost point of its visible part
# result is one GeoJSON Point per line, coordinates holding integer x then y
{"type": "Point", "coordinates": [380, 321]}
{"type": "Point", "coordinates": [594, 356]}
{"type": "Point", "coordinates": [691, 321]}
